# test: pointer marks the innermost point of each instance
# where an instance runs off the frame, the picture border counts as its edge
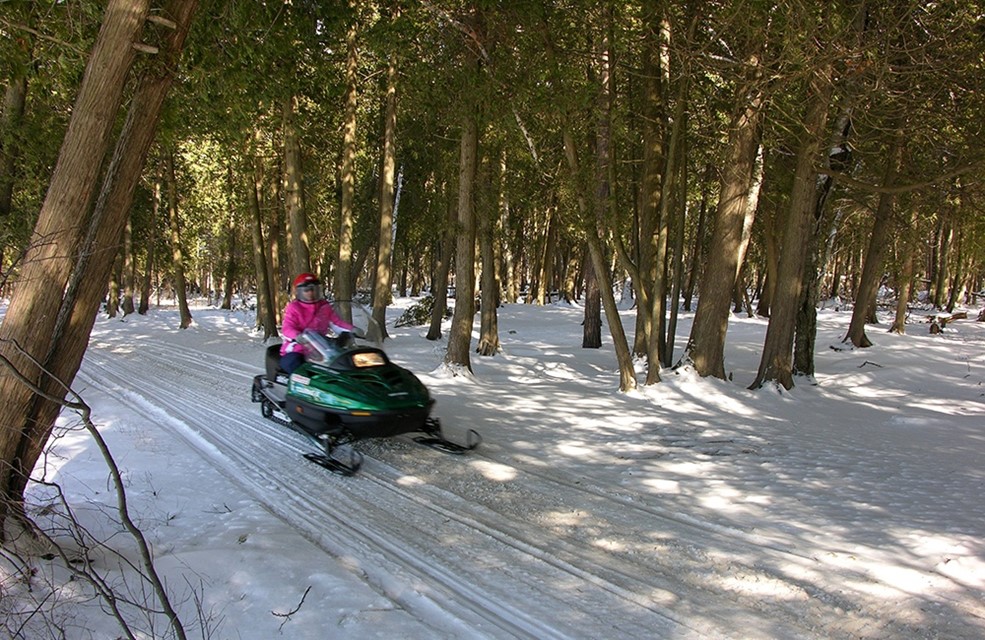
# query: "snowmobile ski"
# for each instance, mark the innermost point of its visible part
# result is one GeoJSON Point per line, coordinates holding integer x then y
{"type": "Point", "coordinates": [337, 466]}
{"type": "Point", "coordinates": [436, 440]}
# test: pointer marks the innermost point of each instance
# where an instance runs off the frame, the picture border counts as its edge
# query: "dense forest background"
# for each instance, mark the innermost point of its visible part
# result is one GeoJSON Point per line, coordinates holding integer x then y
{"type": "Point", "coordinates": [745, 155]}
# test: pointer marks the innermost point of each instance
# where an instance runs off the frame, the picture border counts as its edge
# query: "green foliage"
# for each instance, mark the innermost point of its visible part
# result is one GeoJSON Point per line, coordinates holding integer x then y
{"type": "Point", "coordinates": [419, 314]}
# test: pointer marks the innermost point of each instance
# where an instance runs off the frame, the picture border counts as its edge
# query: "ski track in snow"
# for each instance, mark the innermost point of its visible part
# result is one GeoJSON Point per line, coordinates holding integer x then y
{"type": "Point", "coordinates": [409, 522]}
{"type": "Point", "coordinates": [371, 517]}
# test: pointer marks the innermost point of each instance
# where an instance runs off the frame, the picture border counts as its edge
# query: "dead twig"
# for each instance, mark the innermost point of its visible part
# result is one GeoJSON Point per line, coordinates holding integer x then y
{"type": "Point", "coordinates": [287, 616]}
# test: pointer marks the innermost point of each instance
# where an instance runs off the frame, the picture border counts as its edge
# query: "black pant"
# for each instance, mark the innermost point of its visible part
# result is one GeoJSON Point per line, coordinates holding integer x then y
{"type": "Point", "coordinates": [291, 361]}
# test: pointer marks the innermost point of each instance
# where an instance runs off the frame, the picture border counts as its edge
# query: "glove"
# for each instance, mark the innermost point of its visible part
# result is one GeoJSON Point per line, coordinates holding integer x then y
{"type": "Point", "coordinates": [345, 339]}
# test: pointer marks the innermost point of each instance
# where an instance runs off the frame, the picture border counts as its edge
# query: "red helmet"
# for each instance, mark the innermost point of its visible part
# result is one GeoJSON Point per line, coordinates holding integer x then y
{"type": "Point", "coordinates": [306, 283]}
{"type": "Point", "coordinates": [305, 278]}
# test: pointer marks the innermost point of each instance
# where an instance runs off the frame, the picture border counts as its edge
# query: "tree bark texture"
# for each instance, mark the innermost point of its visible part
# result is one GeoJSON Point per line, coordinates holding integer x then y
{"type": "Point", "coordinates": [85, 285]}
{"type": "Point", "coordinates": [776, 362]}
{"type": "Point", "coordinates": [706, 345]}
{"type": "Point", "coordinates": [266, 302]}
{"type": "Point", "coordinates": [177, 254]}
{"type": "Point", "coordinates": [11, 117]}
{"type": "Point", "coordinates": [228, 280]}
{"type": "Point", "coordinates": [439, 288]}
{"type": "Point", "coordinates": [343, 272]}
{"type": "Point", "coordinates": [299, 258]}
{"type": "Point", "coordinates": [489, 286]}
{"type": "Point", "coordinates": [882, 225]}
{"type": "Point", "coordinates": [388, 179]}
{"type": "Point", "coordinates": [460, 336]}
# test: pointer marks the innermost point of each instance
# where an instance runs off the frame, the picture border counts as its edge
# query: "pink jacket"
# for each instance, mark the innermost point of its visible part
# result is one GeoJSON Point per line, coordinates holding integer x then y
{"type": "Point", "coordinates": [318, 315]}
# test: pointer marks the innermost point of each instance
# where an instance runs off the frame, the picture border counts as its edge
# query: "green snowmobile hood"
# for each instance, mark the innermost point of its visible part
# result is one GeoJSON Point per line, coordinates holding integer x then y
{"type": "Point", "coordinates": [358, 380]}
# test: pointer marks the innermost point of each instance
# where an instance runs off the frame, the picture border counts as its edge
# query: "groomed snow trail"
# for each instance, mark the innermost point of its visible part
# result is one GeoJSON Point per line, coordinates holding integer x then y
{"type": "Point", "coordinates": [502, 542]}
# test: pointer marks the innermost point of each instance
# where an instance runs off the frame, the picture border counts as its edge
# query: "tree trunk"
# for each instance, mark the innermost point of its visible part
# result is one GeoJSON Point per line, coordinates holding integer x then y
{"type": "Point", "coordinates": [772, 258]}
{"type": "Point", "coordinates": [506, 261]}
{"type": "Point", "coordinates": [113, 293]}
{"type": "Point", "coordinates": [489, 285]}
{"type": "Point", "coordinates": [706, 344]}
{"type": "Point", "coordinates": [904, 282]}
{"type": "Point", "coordinates": [657, 353]}
{"type": "Point", "coordinates": [129, 269]}
{"type": "Point", "coordinates": [15, 96]}
{"type": "Point", "coordinates": [595, 230]}
{"type": "Point", "coordinates": [439, 285]}
{"type": "Point", "coordinates": [31, 317]}
{"type": "Point", "coordinates": [945, 237]}
{"type": "Point", "coordinates": [299, 258]}
{"type": "Point", "coordinates": [677, 259]}
{"type": "Point", "coordinates": [230, 275]}
{"type": "Point", "coordinates": [177, 255]}
{"type": "Point", "coordinates": [591, 332]}
{"type": "Point", "coordinates": [266, 303]}
{"type": "Point", "coordinates": [777, 359]}
{"type": "Point", "coordinates": [697, 253]}
{"type": "Point", "coordinates": [87, 282]}
{"type": "Point", "coordinates": [146, 279]}
{"type": "Point", "coordinates": [460, 335]}
{"type": "Point", "coordinates": [384, 246]}
{"type": "Point", "coordinates": [653, 128]}
{"type": "Point", "coordinates": [868, 287]}
{"type": "Point", "coordinates": [278, 283]}
{"type": "Point", "coordinates": [805, 334]}
{"type": "Point", "coordinates": [343, 271]}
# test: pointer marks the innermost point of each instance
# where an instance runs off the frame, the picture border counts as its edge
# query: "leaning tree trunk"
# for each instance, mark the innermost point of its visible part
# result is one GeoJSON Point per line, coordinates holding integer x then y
{"type": "Point", "coordinates": [177, 255]}
{"type": "Point", "coordinates": [460, 335]}
{"type": "Point", "coordinates": [26, 332]}
{"type": "Point", "coordinates": [599, 269]}
{"type": "Point", "coordinates": [388, 179]}
{"type": "Point", "coordinates": [868, 288]}
{"type": "Point", "coordinates": [86, 284]}
{"type": "Point", "coordinates": [705, 349]}
{"type": "Point", "coordinates": [776, 363]}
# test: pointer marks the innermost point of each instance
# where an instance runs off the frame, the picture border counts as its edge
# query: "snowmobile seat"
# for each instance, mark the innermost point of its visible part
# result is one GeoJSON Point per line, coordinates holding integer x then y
{"type": "Point", "coordinates": [273, 362]}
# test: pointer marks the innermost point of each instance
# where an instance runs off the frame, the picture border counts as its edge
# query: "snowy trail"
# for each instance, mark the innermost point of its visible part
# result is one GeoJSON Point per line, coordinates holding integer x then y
{"type": "Point", "coordinates": [391, 531]}
{"type": "Point", "coordinates": [585, 514]}
{"type": "Point", "coordinates": [395, 527]}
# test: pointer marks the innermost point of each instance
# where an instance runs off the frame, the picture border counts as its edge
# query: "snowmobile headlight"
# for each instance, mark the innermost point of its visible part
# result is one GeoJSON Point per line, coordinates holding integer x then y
{"type": "Point", "coordinates": [369, 359]}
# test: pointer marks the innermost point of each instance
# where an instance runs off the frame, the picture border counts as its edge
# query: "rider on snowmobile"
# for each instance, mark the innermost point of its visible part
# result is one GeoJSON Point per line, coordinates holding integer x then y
{"type": "Point", "coordinates": [308, 310]}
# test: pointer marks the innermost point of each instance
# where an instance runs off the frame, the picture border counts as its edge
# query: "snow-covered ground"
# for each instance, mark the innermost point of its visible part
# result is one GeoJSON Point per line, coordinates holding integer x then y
{"type": "Point", "coordinates": [691, 509]}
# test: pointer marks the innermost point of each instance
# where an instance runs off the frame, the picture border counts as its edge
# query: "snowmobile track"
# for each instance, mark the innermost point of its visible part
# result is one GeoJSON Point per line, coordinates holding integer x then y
{"type": "Point", "coordinates": [459, 597]}
{"type": "Point", "coordinates": [254, 453]}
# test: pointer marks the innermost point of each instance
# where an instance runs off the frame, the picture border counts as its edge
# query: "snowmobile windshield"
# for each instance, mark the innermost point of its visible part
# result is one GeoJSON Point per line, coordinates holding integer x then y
{"type": "Point", "coordinates": [325, 350]}
{"type": "Point", "coordinates": [320, 349]}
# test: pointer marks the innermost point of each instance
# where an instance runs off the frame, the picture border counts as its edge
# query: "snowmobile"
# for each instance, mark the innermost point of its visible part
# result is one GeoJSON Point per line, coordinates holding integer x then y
{"type": "Point", "coordinates": [346, 392]}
